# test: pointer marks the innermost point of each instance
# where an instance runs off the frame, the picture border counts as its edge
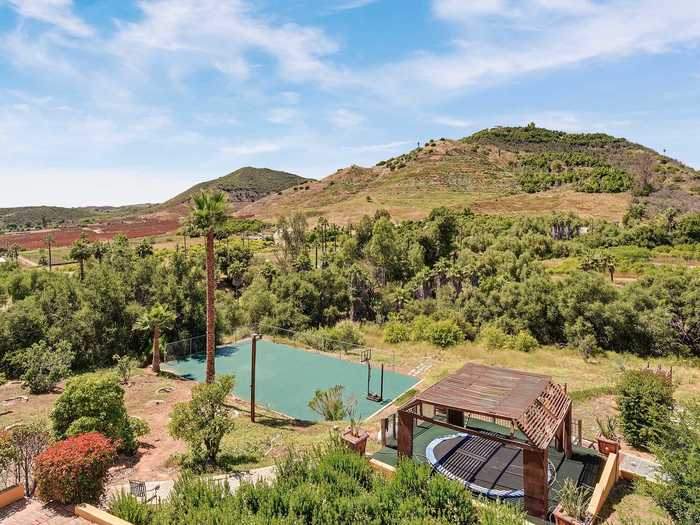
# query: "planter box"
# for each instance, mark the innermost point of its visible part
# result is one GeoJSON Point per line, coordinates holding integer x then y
{"type": "Point", "coordinates": [357, 443]}
{"type": "Point", "coordinates": [608, 446]}
{"type": "Point", "coordinates": [9, 496]}
{"type": "Point", "coordinates": [562, 519]}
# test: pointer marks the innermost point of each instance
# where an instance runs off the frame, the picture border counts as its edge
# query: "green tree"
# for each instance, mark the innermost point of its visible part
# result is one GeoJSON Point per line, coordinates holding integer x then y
{"type": "Point", "coordinates": [45, 365]}
{"type": "Point", "coordinates": [203, 421]}
{"type": "Point", "coordinates": [144, 248]}
{"type": "Point", "coordinates": [678, 454]}
{"type": "Point", "coordinates": [155, 319]}
{"type": "Point", "coordinates": [94, 404]}
{"type": "Point", "coordinates": [645, 402]}
{"type": "Point", "coordinates": [81, 251]}
{"type": "Point", "coordinates": [208, 216]}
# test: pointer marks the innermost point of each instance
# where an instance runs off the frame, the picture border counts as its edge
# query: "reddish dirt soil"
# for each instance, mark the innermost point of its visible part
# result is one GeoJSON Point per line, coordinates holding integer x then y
{"type": "Point", "coordinates": [145, 226]}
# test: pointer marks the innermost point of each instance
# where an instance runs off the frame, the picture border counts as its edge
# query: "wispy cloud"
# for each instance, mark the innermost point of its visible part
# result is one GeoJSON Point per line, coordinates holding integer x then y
{"type": "Point", "coordinates": [58, 13]}
{"type": "Point", "coordinates": [251, 149]}
{"type": "Point", "coordinates": [381, 147]}
{"type": "Point", "coordinates": [282, 115]}
{"type": "Point", "coordinates": [344, 118]}
{"type": "Point", "coordinates": [453, 122]}
{"type": "Point", "coordinates": [353, 4]}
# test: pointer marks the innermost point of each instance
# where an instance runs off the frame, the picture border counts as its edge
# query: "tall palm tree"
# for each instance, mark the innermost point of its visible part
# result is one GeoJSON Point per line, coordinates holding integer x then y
{"type": "Point", "coordinates": [49, 242]}
{"type": "Point", "coordinates": [155, 319]}
{"type": "Point", "coordinates": [208, 216]}
{"type": "Point", "coordinates": [81, 251]}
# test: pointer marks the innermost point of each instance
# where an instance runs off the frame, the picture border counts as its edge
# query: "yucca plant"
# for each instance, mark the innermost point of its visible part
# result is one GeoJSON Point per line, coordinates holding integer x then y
{"type": "Point", "coordinates": [329, 403]}
{"type": "Point", "coordinates": [129, 508]}
{"type": "Point", "coordinates": [573, 499]}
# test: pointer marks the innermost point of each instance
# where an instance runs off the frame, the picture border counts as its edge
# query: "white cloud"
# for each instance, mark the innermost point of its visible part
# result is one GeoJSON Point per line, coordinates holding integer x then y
{"type": "Point", "coordinates": [344, 118]}
{"type": "Point", "coordinates": [453, 122]}
{"type": "Point", "coordinates": [256, 148]}
{"type": "Point", "coordinates": [281, 115]}
{"type": "Point", "coordinates": [353, 4]}
{"type": "Point", "coordinates": [381, 147]}
{"type": "Point", "coordinates": [58, 13]}
{"type": "Point", "coordinates": [541, 39]}
{"type": "Point", "coordinates": [224, 35]}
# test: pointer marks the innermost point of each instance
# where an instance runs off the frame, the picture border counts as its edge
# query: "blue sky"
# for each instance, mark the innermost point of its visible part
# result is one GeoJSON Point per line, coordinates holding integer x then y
{"type": "Point", "coordinates": [122, 101]}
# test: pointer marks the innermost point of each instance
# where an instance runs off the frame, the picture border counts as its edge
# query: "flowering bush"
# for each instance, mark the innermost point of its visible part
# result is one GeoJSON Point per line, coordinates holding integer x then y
{"type": "Point", "coordinates": [73, 470]}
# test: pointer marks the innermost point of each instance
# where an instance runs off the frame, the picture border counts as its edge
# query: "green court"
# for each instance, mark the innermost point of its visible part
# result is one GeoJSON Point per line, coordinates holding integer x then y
{"type": "Point", "coordinates": [287, 377]}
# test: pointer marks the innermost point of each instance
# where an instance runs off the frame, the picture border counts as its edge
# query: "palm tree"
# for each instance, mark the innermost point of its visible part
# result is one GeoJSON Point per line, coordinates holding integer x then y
{"type": "Point", "coordinates": [48, 241]}
{"type": "Point", "coordinates": [81, 252]}
{"type": "Point", "coordinates": [209, 215]}
{"type": "Point", "coordinates": [155, 319]}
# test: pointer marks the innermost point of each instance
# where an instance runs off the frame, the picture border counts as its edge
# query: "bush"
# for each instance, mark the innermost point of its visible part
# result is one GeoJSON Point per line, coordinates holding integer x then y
{"type": "Point", "coordinates": [678, 455]}
{"type": "Point", "coordinates": [444, 333]}
{"type": "Point", "coordinates": [329, 403]}
{"type": "Point", "coordinates": [419, 328]}
{"type": "Point", "coordinates": [396, 332]}
{"type": "Point", "coordinates": [45, 365]}
{"type": "Point", "coordinates": [493, 337]}
{"type": "Point", "coordinates": [124, 365]}
{"type": "Point", "coordinates": [73, 471]}
{"type": "Point", "coordinates": [203, 421]}
{"type": "Point", "coordinates": [130, 509]}
{"type": "Point", "coordinates": [94, 404]}
{"type": "Point", "coordinates": [645, 402]}
{"type": "Point", "coordinates": [523, 342]}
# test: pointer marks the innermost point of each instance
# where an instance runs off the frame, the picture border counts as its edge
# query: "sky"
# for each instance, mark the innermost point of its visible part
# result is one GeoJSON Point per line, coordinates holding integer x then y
{"type": "Point", "coordinates": [122, 101]}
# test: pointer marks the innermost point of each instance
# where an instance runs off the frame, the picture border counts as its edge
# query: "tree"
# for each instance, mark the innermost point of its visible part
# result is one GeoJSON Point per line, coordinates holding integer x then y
{"type": "Point", "coordinates": [27, 441]}
{"type": "Point", "coordinates": [203, 421]}
{"type": "Point", "coordinates": [81, 251]}
{"type": "Point", "coordinates": [645, 402]}
{"type": "Point", "coordinates": [99, 250]}
{"type": "Point", "coordinates": [49, 242]}
{"type": "Point", "coordinates": [209, 215]}
{"type": "Point", "coordinates": [155, 319]}
{"type": "Point", "coordinates": [600, 262]}
{"type": "Point", "coordinates": [45, 365]}
{"type": "Point", "coordinates": [144, 248]}
{"type": "Point", "coordinates": [678, 453]}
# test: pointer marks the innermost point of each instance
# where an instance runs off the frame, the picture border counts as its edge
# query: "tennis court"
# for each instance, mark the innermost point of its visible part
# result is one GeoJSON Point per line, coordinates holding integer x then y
{"type": "Point", "coordinates": [288, 377]}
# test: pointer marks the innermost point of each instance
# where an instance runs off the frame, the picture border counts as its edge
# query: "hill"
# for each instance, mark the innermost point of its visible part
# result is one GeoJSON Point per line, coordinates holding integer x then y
{"type": "Point", "coordinates": [31, 217]}
{"type": "Point", "coordinates": [245, 185]}
{"type": "Point", "coordinates": [507, 170]}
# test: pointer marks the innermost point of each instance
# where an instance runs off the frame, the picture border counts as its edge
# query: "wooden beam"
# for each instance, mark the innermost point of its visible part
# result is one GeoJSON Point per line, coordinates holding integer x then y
{"type": "Point", "coordinates": [405, 437]}
{"type": "Point", "coordinates": [567, 431]}
{"type": "Point", "coordinates": [479, 433]}
{"type": "Point", "coordinates": [536, 482]}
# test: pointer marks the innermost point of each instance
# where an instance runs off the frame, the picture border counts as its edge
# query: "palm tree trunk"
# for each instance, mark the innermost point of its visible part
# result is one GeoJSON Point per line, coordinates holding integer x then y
{"type": "Point", "coordinates": [211, 313]}
{"type": "Point", "coordinates": [82, 269]}
{"type": "Point", "coordinates": [155, 366]}
{"type": "Point", "coordinates": [50, 261]}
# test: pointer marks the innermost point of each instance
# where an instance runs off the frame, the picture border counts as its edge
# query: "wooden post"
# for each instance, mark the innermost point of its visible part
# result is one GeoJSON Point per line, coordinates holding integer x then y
{"type": "Point", "coordinates": [455, 417]}
{"type": "Point", "coordinates": [536, 482]}
{"type": "Point", "coordinates": [579, 432]}
{"type": "Point", "coordinates": [253, 350]}
{"type": "Point", "coordinates": [405, 437]}
{"type": "Point", "coordinates": [566, 434]}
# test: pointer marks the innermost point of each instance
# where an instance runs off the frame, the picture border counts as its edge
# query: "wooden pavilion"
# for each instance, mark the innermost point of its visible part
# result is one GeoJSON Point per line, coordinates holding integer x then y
{"type": "Point", "coordinates": [530, 409]}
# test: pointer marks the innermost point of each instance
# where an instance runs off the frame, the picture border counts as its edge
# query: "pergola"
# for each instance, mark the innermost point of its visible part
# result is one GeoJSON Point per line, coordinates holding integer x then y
{"type": "Point", "coordinates": [531, 408]}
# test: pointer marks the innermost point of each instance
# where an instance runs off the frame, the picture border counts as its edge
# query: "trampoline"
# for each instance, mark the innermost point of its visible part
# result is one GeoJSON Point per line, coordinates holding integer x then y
{"type": "Point", "coordinates": [486, 467]}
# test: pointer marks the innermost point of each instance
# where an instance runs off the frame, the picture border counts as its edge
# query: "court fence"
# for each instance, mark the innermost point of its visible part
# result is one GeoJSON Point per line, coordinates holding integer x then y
{"type": "Point", "coordinates": [184, 348]}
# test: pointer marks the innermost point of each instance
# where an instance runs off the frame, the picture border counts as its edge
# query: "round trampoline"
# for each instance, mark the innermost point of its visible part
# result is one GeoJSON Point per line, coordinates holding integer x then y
{"type": "Point", "coordinates": [486, 467]}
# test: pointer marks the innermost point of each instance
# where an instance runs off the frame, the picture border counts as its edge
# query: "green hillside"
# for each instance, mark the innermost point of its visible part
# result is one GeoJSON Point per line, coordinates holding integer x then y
{"type": "Point", "coordinates": [244, 185]}
{"type": "Point", "coordinates": [517, 170]}
{"type": "Point", "coordinates": [33, 217]}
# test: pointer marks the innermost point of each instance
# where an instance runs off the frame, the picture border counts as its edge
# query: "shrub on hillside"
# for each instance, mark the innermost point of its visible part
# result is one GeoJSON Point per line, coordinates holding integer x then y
{"type": "Point", "coordinates": [94, 404]}
{"type": "Point", "coordinates": [45, 365]}
{"type": "Point", "coordinates": [493, 337]}
{"type": "Point", "coordinates": [645, 402]}
{"type": "Point", "coordinates": [444, 333]}
{"type": "Point", "coordinates": [73, 470]}
{"type": "Point", "coordinates": [396, 332]}
{"type": "Point", "coordinates": [523, 342]}
{"type": "Point", "coordinates": [130, 509]}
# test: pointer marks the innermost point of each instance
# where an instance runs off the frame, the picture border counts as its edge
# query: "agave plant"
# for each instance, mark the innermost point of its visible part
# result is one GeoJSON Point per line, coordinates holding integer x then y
{"type": "Point", "coordinates": [608, 427]}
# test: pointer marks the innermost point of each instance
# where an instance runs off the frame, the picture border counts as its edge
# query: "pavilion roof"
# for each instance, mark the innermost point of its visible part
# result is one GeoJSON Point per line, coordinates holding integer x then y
{"type": "Point", "coordinates": [532, 402]}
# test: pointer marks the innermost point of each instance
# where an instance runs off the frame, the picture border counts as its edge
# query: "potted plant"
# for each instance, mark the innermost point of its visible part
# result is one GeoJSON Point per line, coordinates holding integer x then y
{"type": "Point", "coordinates": [354, 436]}
{"type": "Point", "coordinates": [608, 440]}
{"type": "Point", "coordinates": [573, 504]}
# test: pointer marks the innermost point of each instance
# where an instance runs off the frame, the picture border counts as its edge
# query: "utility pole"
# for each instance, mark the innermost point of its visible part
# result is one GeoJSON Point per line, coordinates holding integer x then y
{"type": "Point", "coordinates": [253, 350]}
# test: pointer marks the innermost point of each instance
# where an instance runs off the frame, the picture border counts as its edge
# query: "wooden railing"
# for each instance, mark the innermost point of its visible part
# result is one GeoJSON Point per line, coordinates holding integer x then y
{"type": "Point", "coordinates": [610, 475]}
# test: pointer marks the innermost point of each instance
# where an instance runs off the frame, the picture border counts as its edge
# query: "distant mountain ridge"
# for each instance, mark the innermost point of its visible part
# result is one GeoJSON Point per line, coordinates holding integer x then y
{"type": "Point", "coordinates": [503, 170]}
{"type": "Point", "coordinates": [245, 185]}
